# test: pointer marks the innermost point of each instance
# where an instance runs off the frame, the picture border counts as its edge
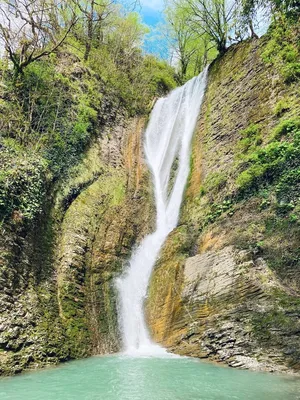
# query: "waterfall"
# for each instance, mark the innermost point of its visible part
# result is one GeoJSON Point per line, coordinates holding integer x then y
{"type": "Point", "coordinates": [167, 148]}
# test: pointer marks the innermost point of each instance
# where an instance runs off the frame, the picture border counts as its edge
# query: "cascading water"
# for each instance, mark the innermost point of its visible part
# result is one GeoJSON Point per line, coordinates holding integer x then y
{"type": "Point", "coordinates": [167, 142]}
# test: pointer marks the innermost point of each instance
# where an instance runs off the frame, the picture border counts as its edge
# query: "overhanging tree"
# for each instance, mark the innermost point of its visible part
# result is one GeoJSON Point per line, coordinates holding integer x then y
{"type": "Point", "coordinates": [32, 29]}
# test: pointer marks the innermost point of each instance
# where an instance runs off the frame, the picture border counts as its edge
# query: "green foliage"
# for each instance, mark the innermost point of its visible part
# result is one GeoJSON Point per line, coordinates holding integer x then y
{"type": "Point", "coordinates": [291, 72]}
{"type": "Point", "coordinates": [22, 183]}
{"type": "Point", "coordinates": [284, 208]}
{"type": "Point", "coordinates": [267, 164]}
{"type": "Point", "coordinates": [281, 107]}
{"type": "Point", "coordinates": [193, 50]}
{"type": "Point", "coordinates": [32, 31]}
{"type": "Point", "coordinates": [158, 75]}
{"type": "Point", "coordinates": [56, 114]}
{"type": "Point", "coordinates": [50, 114]}
{"type": "Point", "coordinates": [290, 8]}
{"type": "Point", "coordinates": [216, 210]}
{"type": "Point", "coordinates": [276, 169]}
{"type": "Point", "coordinates": [251, 137]}
{"type": "Point", "coordinates": [286, 127]}
{"type": "Point", "coordinates": [251, 131]}
{"type": "Point", "coordinates": [132, 87]}
{"type": "Point", "coordinates": [282, 50]}
{"type": "Point", "coordinates": [288, 187]}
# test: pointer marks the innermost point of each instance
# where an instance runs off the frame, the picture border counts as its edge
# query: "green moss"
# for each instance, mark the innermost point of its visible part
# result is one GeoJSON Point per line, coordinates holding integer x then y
{"type": "Point", "coordinates": [251, 131]}
{"type": "Point", "coordinates": [282, 50]}
{"type": "Point", "coordinates": [282, 107]}
{"type": "Point", "coordinates": [286, 127]}
{"type": "Point", "coordinates": [266, 165]}
{"type": "Point", "coordinates": [278, 322]}
{"type": "Point", "coordinates": [251, 138]}
{"type": "Point", "coordinates": [264, 323]}
{"type": "Point", "coordinates": [214, 181]}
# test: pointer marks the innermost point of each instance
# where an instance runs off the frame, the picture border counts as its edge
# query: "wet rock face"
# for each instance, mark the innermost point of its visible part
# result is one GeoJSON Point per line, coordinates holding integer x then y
{"type": "Point", "coordinates": [231, 280]}
{"type": "Point", "coordinates": [210, 274]}
{"type": "Point", "coordinates": [222, 301]}
{"type": "Point", "coordinates": [224, 287]}
{"type": "Point", "coordinates": [57, 295]}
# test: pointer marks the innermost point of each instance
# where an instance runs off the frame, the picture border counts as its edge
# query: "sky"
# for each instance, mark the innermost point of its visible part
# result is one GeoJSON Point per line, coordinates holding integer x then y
{"type": "Point", "coordinates": [152, 14]}
{"type": "Point", "coordinates": [151, 8]}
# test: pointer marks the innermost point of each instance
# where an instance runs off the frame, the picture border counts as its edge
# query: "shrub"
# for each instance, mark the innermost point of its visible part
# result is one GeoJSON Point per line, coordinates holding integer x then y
{"type": "Point", "coordinates": [286, 127]}
{"type": "Point", "coordinates": [251, 137]}
{"type": "Point", "coordinates": [282, 50]}
{"type": "Point", "coordinates": [288, 187]}
{"type": "Point", "coordinates": [22, 184]}
{"type": "Point", "coordinates": [291, 72]}
{"type": "Point", "coordinates": [267, 164]}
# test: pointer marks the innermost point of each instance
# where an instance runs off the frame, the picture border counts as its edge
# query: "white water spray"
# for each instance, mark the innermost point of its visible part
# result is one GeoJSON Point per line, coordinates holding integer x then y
{"type": "Point", "coordinates": [167, 141]}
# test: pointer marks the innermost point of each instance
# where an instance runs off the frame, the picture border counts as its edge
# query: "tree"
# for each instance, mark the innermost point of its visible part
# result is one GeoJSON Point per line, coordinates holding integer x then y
{"type": "Point", "coordinates": [249, 10]}
{"type": "Point", "coordinates": [190, 49]}
{"type": "Point", "coordinates": [214, 18]}
{"type": "Point", "coordinates": [181, 37]}
{"type": "Point", "coordinates": [290, 7]}
{"type": "Point", "coordinates": [32, 29]}
{"type": "Point", "coordinates": [247, 13]}
{"type": "Point", "coordinates": [125, 38]}
{"type": "Point", "coordinates": [93, 14]}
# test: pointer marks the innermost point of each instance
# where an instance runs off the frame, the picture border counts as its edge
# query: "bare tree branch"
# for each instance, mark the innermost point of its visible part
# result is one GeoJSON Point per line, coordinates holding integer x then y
{"type": "Point", "coordinates": [32, 29]}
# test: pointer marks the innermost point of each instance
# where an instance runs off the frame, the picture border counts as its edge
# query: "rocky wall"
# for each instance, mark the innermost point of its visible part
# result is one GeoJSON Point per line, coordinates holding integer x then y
{"type": "Point", "coordinates": [57, 297]}
{"type": "Point", "coordinates": [226, 286]}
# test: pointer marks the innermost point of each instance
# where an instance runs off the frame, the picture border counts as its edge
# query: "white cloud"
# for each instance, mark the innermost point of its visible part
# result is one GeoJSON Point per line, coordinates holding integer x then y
{"type": "Point", "coordinates": [153, 4]}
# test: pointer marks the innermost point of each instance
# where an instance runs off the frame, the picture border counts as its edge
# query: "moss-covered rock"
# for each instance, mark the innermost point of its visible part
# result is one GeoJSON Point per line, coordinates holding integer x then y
{"type": "Point", "coordinates": [57, 277]}
{"type": "Point", "coordinates": [242, 197]}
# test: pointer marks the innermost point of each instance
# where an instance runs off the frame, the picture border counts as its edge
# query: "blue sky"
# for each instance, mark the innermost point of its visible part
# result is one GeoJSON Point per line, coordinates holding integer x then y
{"type": "Point", "coordinates": [152, 14]}
{"type": "Point", "coordinates": [151, 10]}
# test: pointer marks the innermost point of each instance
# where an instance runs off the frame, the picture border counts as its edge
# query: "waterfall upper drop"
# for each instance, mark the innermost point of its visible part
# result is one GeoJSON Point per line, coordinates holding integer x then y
{"type": "Point", "coordinates": [167, 148]}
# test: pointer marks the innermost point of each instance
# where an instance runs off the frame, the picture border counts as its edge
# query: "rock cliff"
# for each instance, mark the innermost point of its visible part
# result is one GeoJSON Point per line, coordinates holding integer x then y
{"type": "Point", "coordinates": [57, 291]}
{"type": "Point", "coordinates": [226, 286]}
{"type": "Point", "coordinates": [227, 283]}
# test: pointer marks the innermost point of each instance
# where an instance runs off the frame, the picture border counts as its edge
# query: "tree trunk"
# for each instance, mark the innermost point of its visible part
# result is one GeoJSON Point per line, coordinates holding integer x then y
{"type": "Point", "coordinates": [88, 44]}
{"type": "Point", "coordinates": [221, 47]}
{"type": "Point", "coordinates": [253, 34]}
{"type": "Point", "coordinates": [90, 29]}
{"type": "Point", "coordinates": [184, 66]}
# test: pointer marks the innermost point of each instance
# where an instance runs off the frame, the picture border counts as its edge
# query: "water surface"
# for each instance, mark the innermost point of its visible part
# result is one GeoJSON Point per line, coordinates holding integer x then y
{"type": "Point", "coordinates": [126, 378]}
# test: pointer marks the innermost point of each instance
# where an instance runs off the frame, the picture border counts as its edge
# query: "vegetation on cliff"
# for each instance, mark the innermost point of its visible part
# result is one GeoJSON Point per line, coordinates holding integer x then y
{"type": "Point", "coordinates": [75, 91]}
{"type": "Point", "coordinates": [71, 176]}
{"type": "Point", "coordinates": [199, 30]}
{"type": "Point", "coordinates": [242, 198]}
{"type": "Point", "coordinates": [56, 104]}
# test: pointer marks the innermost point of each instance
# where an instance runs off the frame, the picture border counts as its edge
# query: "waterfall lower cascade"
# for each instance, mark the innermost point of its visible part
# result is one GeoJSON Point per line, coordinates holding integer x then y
{"type": "Point", "coordinates": [167, 148]}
